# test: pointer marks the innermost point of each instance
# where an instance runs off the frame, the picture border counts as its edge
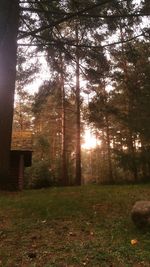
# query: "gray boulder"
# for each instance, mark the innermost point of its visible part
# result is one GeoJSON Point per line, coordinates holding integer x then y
{"type": "Point", "coordinates": [140, 214]}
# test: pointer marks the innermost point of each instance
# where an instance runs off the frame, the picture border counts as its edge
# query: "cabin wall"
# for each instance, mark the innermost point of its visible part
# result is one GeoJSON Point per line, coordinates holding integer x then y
{"type": "Point", "coordinates": [14, 171]}
{"type": "Point", "coordinates": [19, 159]}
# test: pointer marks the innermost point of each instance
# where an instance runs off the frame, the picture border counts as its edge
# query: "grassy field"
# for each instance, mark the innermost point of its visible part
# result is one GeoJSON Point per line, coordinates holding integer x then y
{"type": "Point", "coordinates": [71, 227]}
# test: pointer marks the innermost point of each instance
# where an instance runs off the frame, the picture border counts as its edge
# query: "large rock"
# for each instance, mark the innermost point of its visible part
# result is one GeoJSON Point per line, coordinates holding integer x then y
{"type": "Point", "coordinates": [141, 214]}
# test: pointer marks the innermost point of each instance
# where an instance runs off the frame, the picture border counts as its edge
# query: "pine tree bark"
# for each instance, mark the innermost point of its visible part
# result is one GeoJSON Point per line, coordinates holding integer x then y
{"type": "Point", "coordinates": [78, 118]}
{"type": "Point", "coordinates": [64, 169]}
{"type": "Point", "coordinates": [9, 14]}
{"type": "Point", "coordinates": [109, 150]}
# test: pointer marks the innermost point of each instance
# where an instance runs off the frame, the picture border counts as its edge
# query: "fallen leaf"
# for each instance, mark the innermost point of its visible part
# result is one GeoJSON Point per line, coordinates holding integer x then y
{"type": "Point", "coordinates": [134, 242]}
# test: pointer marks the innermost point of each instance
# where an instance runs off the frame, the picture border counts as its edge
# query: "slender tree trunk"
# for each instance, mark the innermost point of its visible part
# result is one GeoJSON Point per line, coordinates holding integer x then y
{"type": "Point", "coordinates": [9, 14]}
{"type": "Point", "coordinates": [64, 169]}
{"type": "Point", "coordinates": [78, 118]}
{"type": "Point", "coordinates": [109, 151]}
{"type": "Point", "coordinates": [133, 158]}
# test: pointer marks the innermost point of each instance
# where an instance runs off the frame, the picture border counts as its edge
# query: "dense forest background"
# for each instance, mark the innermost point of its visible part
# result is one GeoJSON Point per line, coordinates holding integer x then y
{"type": "Point", "coordinates": [97, 60]}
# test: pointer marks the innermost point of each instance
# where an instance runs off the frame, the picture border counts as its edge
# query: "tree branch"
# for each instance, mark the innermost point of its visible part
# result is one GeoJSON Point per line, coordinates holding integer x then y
{"type": "Point", "coordinates": [58, 42]}
{"type": "Point", "coordinates": [36, 10]}
{"type": "Point", "coordinates": [67, 17]}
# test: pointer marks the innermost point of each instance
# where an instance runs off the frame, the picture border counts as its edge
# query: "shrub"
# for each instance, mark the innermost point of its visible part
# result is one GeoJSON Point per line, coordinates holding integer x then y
{"type": "Point", "coordinates": [39, 176]}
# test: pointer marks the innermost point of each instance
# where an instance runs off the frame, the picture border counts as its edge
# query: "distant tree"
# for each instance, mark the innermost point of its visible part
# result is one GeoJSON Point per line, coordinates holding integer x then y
{"type": "Point", "coordinates": [48, 129]}
{"type": "Point", "coordinates": [26, 72]}
{"type": "Point", "coordinates": [100, 115]}
{"type": "Point", "coordinates": [131, 98]}
{"type": "Point", "coordinates": [23, 117]}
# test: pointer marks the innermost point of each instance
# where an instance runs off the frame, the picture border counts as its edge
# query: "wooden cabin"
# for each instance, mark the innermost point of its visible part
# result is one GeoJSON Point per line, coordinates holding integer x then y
{"type": "Point", "coordinates": [20, 157]}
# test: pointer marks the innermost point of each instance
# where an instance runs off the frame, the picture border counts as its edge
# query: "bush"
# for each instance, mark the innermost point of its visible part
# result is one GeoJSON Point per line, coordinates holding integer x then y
{"type": "Point", "coordinates": [39, 176]}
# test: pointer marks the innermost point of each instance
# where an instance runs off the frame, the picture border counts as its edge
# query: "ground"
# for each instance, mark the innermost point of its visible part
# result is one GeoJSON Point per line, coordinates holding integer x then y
{"type": "Point", "coordinates": [73, 227]}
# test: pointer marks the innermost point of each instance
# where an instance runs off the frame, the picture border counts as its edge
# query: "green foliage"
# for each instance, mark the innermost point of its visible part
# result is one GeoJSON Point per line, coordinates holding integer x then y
{"type": "Point", "coordinates": [39, 176]}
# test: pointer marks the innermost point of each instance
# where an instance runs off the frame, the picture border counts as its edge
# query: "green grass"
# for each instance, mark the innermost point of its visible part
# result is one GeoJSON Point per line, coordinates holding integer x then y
{"type": "Point", "coordinates": [71, 227]}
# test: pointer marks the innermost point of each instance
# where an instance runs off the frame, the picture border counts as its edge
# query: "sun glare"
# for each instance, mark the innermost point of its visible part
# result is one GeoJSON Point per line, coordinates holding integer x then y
{"type": "Point", "coordinates": [90, 141]}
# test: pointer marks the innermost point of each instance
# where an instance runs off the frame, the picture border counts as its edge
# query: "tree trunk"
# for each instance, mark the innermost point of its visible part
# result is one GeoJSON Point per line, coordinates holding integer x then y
{"type": "Point", "coordinates": [109, 151]}
{"type": "Point", "coordinates": [64, 169]}
{"type": "Point", "coordinates": [78, 119]}
{"type": "Point", "coordinates": [133, 158]}
{"type": "Point", "coordinates": [9, 14]}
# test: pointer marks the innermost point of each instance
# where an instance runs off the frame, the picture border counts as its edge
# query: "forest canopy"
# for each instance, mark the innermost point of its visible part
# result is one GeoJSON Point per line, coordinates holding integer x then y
{"type": "Point", "coordinates": [98, 63]}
